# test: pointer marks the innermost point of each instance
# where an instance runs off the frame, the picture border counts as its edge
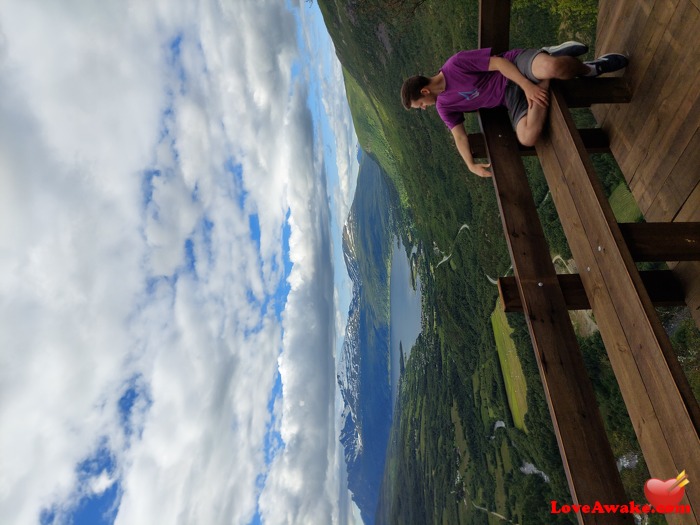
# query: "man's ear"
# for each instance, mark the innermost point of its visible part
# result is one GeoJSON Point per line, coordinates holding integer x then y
{"type": "Point", "coordinates": [425, 91]}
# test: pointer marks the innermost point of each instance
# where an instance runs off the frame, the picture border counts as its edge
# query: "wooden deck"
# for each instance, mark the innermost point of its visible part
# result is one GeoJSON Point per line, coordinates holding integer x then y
{"type": "Point", "coordinates": [656, 137]}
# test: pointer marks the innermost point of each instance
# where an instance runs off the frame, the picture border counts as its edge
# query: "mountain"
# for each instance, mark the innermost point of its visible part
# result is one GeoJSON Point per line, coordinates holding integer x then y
{"type": "Point", "coordinates": [363, 370]}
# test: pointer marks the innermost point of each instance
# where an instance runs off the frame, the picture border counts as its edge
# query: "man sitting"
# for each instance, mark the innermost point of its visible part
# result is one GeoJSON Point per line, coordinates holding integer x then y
{"type": "Point", "coordinates": [517, 79]}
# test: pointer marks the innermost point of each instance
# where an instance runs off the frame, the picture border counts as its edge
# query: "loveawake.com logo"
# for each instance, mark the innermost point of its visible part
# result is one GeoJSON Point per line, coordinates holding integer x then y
{"type": "Point", "coordinates": [664, 498]}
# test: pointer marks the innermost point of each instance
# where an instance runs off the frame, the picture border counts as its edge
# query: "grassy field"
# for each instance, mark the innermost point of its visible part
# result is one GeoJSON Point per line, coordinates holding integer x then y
{"type": "Point", "coordinates": [513, 376]}
{"type": "Point", "coordinates": [623, 204]}
{"type": "Point", "coordinates": [460, 439]}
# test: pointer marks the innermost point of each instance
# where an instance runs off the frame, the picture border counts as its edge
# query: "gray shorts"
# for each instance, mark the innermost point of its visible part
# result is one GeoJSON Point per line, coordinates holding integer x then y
{"type": "Point", "coordinates": [516, 102]}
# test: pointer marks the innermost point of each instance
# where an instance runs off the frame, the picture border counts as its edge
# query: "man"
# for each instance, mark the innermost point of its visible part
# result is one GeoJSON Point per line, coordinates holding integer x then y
{"type": "Point", "coordinates": [518, 79]}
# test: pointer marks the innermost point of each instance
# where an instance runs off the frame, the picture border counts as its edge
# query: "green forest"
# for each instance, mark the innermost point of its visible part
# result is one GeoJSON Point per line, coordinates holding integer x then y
{"type": "Point", "coordinates": [449, 461]}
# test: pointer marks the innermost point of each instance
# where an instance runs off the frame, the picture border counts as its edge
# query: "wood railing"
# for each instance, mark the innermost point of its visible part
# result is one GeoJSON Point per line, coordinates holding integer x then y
{"type": "Point", "coordinates": [660, 402]}
{"type": "Point", "coordinates": [663, 410]}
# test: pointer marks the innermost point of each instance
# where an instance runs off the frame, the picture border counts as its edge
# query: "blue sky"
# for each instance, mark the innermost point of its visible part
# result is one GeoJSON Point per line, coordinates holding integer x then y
{"type": "Point", "coordinates": [174, 177]}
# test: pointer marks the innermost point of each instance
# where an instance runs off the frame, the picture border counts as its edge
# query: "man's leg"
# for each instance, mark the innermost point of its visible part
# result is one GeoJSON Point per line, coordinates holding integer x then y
{"type": "Point", "coordinates": [572, 48]}
{"type": "Point", "coordinates": [529, 128]}
{"type": "Point", "coordinates": [546, 67]}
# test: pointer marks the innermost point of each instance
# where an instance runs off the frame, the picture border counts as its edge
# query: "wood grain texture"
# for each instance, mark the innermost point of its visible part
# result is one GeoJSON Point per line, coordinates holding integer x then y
{"type": "Point", "coordinates": [663, 410]}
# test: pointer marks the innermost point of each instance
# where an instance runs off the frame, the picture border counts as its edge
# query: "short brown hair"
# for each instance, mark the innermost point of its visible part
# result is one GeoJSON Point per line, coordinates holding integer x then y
{"type": "Point", "coordinates": [410, 90]}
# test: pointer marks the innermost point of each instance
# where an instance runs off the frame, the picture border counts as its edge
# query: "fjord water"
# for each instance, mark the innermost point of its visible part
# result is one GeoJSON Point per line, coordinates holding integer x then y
{"type": "Point", "coordinates": [384, 315]}
{"type": "Point", "coordinates": [405, 312]}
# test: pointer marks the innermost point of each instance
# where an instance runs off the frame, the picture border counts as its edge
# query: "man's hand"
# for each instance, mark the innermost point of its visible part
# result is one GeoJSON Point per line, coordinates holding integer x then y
{"type": "Point", "coordinates": [536, 95]}
{"type": "Point", "coordinates": [462, 142]}
{"type": "Point", "coordinates": [480, 169]}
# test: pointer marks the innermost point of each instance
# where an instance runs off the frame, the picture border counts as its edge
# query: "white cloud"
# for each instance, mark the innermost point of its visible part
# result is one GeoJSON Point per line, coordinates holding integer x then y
{"type": "Point", "coordinates": [302, 472]}
{"type": "Point", "coordinates": [335, 105]}
{"type": "Point", "coordinates": [333, 99]}
{"type": "Point", "coordinates": [101, 482]}
{"type": "Point", "coordinates": [126, 259]}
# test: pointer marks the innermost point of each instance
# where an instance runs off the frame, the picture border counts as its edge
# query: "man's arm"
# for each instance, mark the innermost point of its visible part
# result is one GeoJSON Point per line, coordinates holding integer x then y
{"type": "Point", "coordinates": [534, 93]}
{"type": "Point", "coordinates": [462, 142]}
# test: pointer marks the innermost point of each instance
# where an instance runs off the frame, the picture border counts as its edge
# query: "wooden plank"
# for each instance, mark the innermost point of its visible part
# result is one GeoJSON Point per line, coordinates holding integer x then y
{"type": "Point", "coordinates": [629, 121]}
{"type": "Point", "coordinates": [642, 46]}
{"type": "Point", "coordinates": [663, 288]}
{"type": "Point", "coordinates": [659, 99]}
{"type": "Point", "coordinates": [584, 92]}
{"type": "Point", "coordinates": [494, 25]}
{"type": "Point", "coordinates": [668, 126]}
{"type": "Point", "coordinates": [690, 211]}
{"type": "Point", "coordinates": [644, 41]}
{"type": "Point", "coordinates": [595, 139]}
{"type": "Point", "coordinates": [585, 450]}
{"type": "Point", "coordinates": [689, 272]}
{"type": "Point", "coordinates": [606, 13]}
{"type": "Point", "coordinates": [679, 186]}
{"type": "Point", "coordinates": [622, 24]}
{"type": "Point", "coordinates": [655, 177]}
{"type": "Point", "coordinates": [615, 28]}
{"type": "Point", "coordinates": [662, 241]}
{"type": "Point", "coordinates": [662, 407]}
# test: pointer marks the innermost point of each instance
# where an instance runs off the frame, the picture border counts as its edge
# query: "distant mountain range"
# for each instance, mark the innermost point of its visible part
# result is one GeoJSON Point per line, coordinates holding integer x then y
{"type": "Point", "coordinates": [363, 371]}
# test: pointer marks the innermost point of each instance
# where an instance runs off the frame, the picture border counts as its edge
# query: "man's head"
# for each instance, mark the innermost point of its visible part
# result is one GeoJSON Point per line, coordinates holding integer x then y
{"type": "Point", "coordinates": [416, 94]}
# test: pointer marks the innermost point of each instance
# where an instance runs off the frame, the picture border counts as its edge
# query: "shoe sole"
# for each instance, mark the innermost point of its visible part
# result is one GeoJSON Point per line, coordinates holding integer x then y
{"type": "Point", "coordinates": [570, 48]}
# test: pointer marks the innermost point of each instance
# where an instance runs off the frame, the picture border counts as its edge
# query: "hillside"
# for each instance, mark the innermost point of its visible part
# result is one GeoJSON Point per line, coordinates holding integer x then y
{"type": "Point", "coordinates": [455, 454]}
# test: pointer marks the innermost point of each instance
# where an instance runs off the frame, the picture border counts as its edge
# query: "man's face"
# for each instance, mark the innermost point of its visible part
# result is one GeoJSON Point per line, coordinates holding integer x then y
{"type": "Point", "coordinates": [425, 101]}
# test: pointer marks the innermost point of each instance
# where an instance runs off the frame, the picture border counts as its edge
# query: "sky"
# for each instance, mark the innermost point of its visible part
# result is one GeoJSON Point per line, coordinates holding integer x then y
{"type": "Point", "coordinates": [174, 177]}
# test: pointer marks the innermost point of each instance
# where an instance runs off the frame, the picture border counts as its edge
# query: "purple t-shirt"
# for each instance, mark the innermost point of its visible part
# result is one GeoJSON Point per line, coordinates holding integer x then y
{"type": "Point", "coordinates": [469, 85]}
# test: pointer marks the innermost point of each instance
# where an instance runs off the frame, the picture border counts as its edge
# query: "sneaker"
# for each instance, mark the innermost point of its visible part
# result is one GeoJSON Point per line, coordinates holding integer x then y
{"type": "Point", "coordinates": [568, 49]}
{"type": "Point", "coordinates": [608, 63]}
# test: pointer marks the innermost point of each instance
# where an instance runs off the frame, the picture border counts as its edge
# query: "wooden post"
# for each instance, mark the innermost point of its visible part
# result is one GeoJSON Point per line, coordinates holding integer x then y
{"type": "Point", "coordinates": [662, 241]}
{"type": "Point", "coordinates": [663, 288]}
{"type": "Point", "coordinates": [584, 92]}
{"type": "Point", "coordinates": [494, 25]}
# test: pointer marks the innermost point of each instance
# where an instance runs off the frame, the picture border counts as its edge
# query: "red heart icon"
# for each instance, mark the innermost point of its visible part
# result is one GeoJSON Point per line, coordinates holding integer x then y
{"type": "Point", "coordinates": [660, 494]}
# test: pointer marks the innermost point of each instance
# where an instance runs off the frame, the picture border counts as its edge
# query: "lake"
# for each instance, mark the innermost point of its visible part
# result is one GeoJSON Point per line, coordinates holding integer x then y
{"type": "Point", "coordinates": [405, 312]}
